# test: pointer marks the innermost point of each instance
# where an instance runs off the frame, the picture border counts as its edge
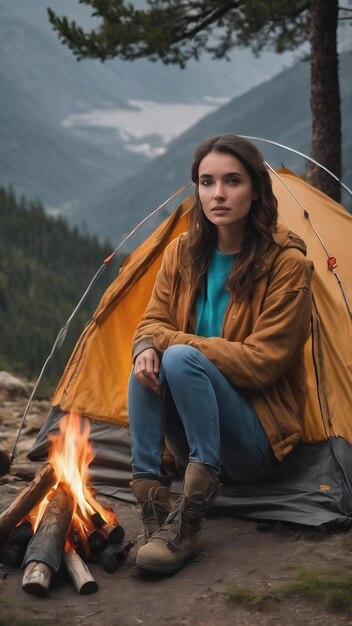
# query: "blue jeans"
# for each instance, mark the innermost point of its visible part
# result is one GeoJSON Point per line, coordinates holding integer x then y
{"type": "Point", "coordinates": [213, 423]}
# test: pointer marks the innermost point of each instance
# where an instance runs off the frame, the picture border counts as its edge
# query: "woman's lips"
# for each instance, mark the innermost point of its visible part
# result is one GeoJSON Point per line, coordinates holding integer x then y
{"type": "Point", "coordinates": [220, 209]}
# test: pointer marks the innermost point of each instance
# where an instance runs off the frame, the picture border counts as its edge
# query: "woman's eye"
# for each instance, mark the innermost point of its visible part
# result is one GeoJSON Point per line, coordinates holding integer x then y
{"type": "Point", "coordinates": [233, 180]}
{"type": "Point", "coordinates": [205, 182]}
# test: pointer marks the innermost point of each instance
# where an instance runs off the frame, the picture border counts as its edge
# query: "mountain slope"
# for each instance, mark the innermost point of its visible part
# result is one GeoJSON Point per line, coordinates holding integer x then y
{"type": "Point", "coordinates": [38, 156]}
{"type": "Point", "coordinates": [277, 110]}
{"type": "Point", "coordinates": [42, 84]}
{"type": "Point", "coordinates": [44, 267]}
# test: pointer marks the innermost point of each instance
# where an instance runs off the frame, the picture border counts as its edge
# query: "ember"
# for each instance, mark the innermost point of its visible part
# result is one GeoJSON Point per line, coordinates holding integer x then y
{"type": "Point", "coordinates": [57, 518]}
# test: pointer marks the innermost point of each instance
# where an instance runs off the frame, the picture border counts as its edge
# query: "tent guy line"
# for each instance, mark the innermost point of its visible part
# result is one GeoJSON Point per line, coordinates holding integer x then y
{"type": "Point", "coordinates": [63, 331]}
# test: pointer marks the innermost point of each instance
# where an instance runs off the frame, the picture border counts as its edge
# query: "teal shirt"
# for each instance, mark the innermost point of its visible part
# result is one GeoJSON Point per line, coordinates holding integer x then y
{"type": "Point", "coordinates": [213, 298]}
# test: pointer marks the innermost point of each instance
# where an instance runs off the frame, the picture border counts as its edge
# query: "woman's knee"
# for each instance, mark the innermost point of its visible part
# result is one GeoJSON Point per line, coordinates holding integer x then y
{"type": "Point", "coordinates": [177, 357]}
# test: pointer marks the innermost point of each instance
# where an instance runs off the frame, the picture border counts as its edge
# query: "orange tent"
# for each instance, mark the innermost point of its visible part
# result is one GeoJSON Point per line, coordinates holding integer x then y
{"type": "Point", "coordinates": [313, 485]}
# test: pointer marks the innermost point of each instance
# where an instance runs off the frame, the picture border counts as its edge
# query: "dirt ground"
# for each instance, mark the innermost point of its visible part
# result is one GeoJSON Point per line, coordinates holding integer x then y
{"type": "Point", "coordinates": [234, 553]}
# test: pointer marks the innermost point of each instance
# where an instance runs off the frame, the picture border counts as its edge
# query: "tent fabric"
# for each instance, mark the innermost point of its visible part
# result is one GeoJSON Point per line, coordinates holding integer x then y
{"type": "Point", "coordinates": [313, 485]}
{"type": "Point", "coordinates": [95, 379]}
{"type": "Point", "coordinates": [328, 354]}
{"type": "Point", "coordinates": [312, 488]}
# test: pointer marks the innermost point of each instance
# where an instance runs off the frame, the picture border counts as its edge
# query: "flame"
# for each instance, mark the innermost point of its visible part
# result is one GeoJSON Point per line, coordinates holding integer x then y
{"type": "Point", "coordinates": [38, 511]}
{"type": "Point", "coordinates": [70, 455]}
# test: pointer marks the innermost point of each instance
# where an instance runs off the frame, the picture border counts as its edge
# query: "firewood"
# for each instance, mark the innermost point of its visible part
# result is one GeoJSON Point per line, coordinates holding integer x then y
{"type": "Point", "coordinates": [48, 543]}
{"type": "Point", "coordinates": [78, 543]}
{"type": "Point", "coordinates": [96, 541]}
{"type": "Point", "coordinates": [114, 534]}
{"type": "Point", "coordinates": [14, 549]}
{"type": "Point", "coordinates": [114, 555]}
{"type": "Point", "coordinates": [37, 578]}
{"type": "Point", "coordinates": [26, 500]}
{"type": "Point", "coordinates": [79, 573]}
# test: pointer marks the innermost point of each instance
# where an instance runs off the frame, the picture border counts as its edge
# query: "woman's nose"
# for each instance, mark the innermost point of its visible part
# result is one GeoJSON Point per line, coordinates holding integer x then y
{"type": "Point", "coordinates": [219, 191]}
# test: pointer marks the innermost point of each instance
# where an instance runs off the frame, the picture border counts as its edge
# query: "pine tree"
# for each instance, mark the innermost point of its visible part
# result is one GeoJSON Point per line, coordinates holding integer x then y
{"type": "Point", "coordinates": [44, 267]}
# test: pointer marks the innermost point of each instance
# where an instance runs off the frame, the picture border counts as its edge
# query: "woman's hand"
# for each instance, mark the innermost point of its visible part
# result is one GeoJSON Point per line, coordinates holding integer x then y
{"type": "Point", "coordinates": [146, 367]}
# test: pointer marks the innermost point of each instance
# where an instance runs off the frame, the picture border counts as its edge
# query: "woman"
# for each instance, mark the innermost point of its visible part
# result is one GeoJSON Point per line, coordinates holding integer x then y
{"type": "Point", "coordinates": [222, 341]}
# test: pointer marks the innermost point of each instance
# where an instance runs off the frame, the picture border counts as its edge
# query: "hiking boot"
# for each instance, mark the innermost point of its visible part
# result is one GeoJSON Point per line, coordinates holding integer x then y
{"type": "Point", "coordinates": [177, 541]}
{"type": "Point", "coordinates": [155, 502]}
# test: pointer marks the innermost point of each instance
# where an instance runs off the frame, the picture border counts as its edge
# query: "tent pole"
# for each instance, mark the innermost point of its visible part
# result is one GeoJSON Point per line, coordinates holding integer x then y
{"type": "Point", "coordinates": [305, 156]}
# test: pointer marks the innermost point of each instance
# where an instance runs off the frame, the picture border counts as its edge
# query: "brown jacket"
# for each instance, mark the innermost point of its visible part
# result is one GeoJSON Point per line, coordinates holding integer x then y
{"type": "Point", "coordinates": [261, 348]}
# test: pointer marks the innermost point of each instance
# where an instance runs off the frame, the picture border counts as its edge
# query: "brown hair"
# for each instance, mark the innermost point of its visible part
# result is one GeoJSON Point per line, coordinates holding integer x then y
{"type": "Point", "coordinates": [261, 223]}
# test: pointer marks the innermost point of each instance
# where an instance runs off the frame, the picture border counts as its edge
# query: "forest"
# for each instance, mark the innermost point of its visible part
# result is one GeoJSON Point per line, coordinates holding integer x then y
{"type": "Point", "coordinates": [45, 266]}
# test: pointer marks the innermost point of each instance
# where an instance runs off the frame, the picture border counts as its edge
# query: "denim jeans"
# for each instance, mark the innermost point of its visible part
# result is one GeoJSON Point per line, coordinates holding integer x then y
{"type": "Point", "coordinates": [213, 423]}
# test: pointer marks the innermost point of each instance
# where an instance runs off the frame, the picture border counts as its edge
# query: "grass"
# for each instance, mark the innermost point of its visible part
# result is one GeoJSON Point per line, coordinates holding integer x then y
{"type": "Point", "coordinates": [334, 589]}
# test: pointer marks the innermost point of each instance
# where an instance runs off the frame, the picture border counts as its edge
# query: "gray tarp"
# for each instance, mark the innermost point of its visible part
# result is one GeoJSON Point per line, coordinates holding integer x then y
{"type": "Point", "coordinates": [311, 487]}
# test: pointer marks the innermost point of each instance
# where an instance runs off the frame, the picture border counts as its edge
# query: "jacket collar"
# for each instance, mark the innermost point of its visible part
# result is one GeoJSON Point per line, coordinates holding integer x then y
{"type": "Point", "coordinates": [284, 238]}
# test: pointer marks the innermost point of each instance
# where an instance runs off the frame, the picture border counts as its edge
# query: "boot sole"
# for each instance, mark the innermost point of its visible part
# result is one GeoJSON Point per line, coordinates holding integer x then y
{"type": "Point", "coordinates": [163, 571]}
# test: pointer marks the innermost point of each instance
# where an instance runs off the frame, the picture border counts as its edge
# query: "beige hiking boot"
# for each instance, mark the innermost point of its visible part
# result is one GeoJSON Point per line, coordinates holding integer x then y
{"type": "Point", "coordinates": [177, 541]}
{"type": "Point", "coordinates": [155, 502]}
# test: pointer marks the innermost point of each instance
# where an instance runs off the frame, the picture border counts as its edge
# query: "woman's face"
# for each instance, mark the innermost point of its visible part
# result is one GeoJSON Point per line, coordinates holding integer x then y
{"type": "Point", "coordinates": [225, 189]}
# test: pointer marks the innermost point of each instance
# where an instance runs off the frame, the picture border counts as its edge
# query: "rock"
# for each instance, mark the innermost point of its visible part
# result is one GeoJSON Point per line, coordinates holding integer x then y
{"type": "Point", "coordinates": [25, 471]}
{"type": "Point", "coordinates": [11, 387]}
{"type": "Point", "coordinates": [5, 462]}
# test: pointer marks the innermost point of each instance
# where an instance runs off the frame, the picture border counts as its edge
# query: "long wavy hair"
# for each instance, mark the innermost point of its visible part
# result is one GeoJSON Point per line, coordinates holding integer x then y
{"type": "Point", "coordinates": [258, 239]}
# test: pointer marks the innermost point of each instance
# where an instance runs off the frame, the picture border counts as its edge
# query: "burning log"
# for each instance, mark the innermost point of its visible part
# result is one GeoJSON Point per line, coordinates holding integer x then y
{"type": "Point", "coordinates": [70, 518]}
{"type": "Point", "coordinates": [96, 541]}
{"type": "Point", "coordinates": [48, 543]}
{"type": "Point", "coordinates": [114, 534]}
{"type": "Point", "coordinates": [26, 500]}
{"type": "Point", "coordinates": [78, 543]}
{"type": "Point", "coordinates": [14, 550]}
{"type": "Point", "coordinates": [79, 573]}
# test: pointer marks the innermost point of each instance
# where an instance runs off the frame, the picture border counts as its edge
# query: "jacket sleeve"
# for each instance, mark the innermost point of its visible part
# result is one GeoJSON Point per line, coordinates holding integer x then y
{"type": "Point", "coordinates": [278, 335]}
{"type": "Point", "coordinates": [158, 313]}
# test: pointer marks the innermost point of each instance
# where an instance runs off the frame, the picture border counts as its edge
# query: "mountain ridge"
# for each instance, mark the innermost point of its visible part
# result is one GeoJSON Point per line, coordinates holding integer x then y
{"type": "Point", "coordinates": [42, 84]}
{"type": "Point", "coordinates": [277, 110]}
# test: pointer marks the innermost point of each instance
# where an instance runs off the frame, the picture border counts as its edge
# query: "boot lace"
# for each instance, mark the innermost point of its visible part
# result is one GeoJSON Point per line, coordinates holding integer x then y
{"type": "Point", "coordinates": [153, 515]}
{"type": "Point", "coordinates": [183, 520]}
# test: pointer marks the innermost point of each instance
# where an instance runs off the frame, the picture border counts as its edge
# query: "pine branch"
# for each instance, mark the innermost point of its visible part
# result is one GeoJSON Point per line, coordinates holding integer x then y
{"type": "Point", "coordinates": [176, 30]}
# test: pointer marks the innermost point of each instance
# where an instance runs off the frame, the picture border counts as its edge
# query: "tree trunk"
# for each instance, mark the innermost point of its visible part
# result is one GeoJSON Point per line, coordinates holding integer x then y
{"type": "Point", "coordinates": [325, 97]}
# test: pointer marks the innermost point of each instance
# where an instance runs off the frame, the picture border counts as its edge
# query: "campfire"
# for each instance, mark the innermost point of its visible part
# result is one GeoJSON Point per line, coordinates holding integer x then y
{"type": "Point", "coordinates": [56, 518]}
